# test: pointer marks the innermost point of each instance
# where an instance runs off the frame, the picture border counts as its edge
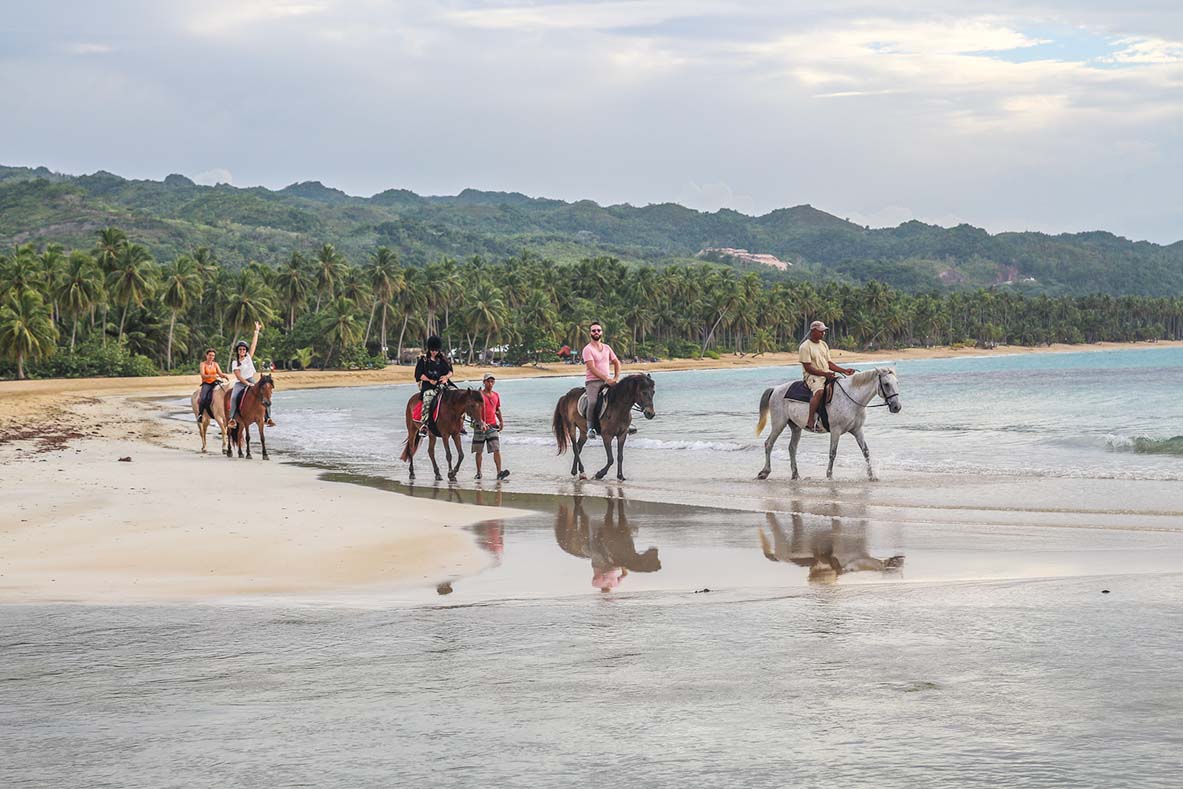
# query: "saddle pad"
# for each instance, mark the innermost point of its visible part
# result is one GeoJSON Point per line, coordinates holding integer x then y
{"type": "Point", "coordinates": [582, 407]}
{"type": "Point", "coordinates": [417, 410]}
{"type": "Point", "coordinates": [798, 391]}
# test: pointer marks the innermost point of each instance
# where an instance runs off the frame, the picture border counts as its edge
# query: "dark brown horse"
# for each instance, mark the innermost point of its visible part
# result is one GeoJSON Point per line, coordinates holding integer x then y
{"type": "Point", "coordinates": [570, 427]}
{"type": "Point", "coordinates": [454, 405]}
{"type": "Point", "coordinates": [252, 411]}
{"type": "Point", "coordinates": [611, 546]}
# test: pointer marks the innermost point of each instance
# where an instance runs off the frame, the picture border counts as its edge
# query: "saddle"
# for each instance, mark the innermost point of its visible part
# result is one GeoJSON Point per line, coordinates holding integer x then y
{"type": "Point", "coordinates": [800, 392]}
{"type": "Point", "coordinates": [417, 413]}
{"type": "Point", "coordinates": [582, 406]}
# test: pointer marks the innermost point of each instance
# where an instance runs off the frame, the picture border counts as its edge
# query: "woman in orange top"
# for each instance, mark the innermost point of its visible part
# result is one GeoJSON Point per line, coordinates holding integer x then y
{"type": "Point", "coordinates": [211, 374]}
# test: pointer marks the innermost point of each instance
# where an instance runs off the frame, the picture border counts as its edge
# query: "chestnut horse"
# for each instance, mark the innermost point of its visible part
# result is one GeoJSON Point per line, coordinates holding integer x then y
{"type": "Point", "coordinates": [633, 391]}
{"type": "Point", "coordinates": [454, 405]}
{"type": "Point", "coordinates": [253, 411]}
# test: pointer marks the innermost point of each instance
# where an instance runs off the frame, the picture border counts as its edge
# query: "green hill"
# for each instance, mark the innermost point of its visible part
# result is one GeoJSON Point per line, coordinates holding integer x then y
{"type": "Point", "coordinates": [176, 215]}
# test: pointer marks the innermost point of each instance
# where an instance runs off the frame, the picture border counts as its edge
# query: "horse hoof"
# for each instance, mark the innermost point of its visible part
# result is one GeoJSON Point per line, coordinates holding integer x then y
{"type": "Point", "coordinates": [438, 478]}
{"type": "Point", "coordinates": [620, 478]}
{"type": "Point", "coordinates": [583, 477]}
{"type": "Point", "coordinates": [600, 475]}
{"type": "Point", "coordinates": [266, 457]}
{"type": "Point", "coordinates": [763, 475]}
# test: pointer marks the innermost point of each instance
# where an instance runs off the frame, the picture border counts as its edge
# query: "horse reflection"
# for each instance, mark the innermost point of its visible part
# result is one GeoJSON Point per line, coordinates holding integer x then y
{"type": "Point", "coordinates": [828, 553]}
{"type": "Point", "coordinates": [609, 544]}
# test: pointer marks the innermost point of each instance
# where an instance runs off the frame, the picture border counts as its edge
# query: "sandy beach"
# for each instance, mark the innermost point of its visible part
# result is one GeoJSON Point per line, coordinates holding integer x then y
{"type": "Point", "coordinates": [79, 525]}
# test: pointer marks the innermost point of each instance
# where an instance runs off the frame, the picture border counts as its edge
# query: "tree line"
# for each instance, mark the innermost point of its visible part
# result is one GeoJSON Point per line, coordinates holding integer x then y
{"type": "Point", "coordinates": [112, 309]}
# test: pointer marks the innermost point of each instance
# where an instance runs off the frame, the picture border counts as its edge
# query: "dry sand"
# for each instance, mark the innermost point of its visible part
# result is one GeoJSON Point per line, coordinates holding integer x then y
{"type": "Point", "coordinates": [76, 524]}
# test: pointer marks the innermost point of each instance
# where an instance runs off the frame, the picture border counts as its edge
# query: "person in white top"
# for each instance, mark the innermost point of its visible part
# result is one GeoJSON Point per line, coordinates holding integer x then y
{"type": "Point", "coordinates": [243, 368]}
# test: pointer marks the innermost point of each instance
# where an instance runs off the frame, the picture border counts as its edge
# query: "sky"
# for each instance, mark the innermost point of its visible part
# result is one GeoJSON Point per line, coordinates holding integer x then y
{"type": "Point", "coordinates": [1044, 115]}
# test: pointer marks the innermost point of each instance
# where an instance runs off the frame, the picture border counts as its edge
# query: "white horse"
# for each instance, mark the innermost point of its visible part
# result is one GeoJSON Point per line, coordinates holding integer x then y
{"type": "Point", "coordinates": [846, 410]}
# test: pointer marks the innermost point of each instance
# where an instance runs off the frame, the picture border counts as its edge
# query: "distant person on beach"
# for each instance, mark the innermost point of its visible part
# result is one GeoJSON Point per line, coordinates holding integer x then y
{"type": "Point", "coordinates": [432, 371]}
{"type": "Point", "coordinates": [565, 354]}
{"type": "Point", "coordinates": [211, 376]}
{"type": "Point", "coordinates": [603, 369]}
{"type": "Point", "coordinates": [489, 439]}
{"type": "Point", "coordinates": [815, 359]}
{"type": "Point", "coordinates": [244, 371]}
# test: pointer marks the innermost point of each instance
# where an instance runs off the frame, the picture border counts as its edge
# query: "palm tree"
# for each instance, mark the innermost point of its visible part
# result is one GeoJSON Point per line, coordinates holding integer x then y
{"type": "Point", "coordinates": [110, 242]}
{"type": "Point", "coordinates": [21, 271]}
{"type": "Point", "coordinates": [131, 279]}
{"type": "Point", "coordinates": [79, 289]}
{"type": "Point", "coordinates": [250, 301]}
{"type": "Point", "coordinates": [411, 302]}
{"type": "Point", "coordinates": [293, 283]}
{"type": "Point", "coordinates": [330, 267]}
{"type": "Point", "coordinates": [341, 325]}
{"type": "Point", "coordinates": [181, 285]}
{"type": "Point", "coordinates": [26, 329]}
{"type": "Point", "coordinates": [386, 281]}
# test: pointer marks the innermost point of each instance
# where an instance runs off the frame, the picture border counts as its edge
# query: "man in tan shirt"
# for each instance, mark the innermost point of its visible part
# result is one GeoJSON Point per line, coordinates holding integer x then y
{"type": "Point", "coordinates": [815, 358]}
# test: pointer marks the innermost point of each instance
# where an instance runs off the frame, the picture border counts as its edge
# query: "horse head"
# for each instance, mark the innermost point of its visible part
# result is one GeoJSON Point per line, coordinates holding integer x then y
{"type": "Point", "coordinates": [889, 389]}
{"type": "Point", "coordinates": [644, 388]}
{"type": "Point", "coordinates": [474, 406]}
{"type": "Point", "coordinates": [266, 387]}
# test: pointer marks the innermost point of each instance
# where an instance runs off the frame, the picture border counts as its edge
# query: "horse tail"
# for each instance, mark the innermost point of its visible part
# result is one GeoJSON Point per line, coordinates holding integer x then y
{"type": "Point", "coordinates": [557, 424]}
{"type": "Point", "coordinates": [406, 455]}
{"type": "Point", "coordinates": [764, 398]}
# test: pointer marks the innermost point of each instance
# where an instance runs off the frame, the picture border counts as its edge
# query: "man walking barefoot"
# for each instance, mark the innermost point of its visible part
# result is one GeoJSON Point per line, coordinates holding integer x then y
{"type": "Point", "coordinates": [489, 439]}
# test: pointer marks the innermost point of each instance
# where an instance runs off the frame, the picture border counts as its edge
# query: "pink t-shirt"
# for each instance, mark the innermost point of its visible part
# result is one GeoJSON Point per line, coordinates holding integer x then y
{"type": "Point", "coordinates": [601, 360]}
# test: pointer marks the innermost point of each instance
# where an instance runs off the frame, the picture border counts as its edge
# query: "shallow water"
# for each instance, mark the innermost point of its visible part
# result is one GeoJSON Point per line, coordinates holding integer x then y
{"type": "Point", "coordinates": [1002, 608]}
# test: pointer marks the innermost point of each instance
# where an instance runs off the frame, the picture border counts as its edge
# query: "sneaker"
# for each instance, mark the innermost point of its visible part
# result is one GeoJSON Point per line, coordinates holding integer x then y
{"type": "Point", "coordinates": [593, 434]}
{"type": "Point", "coordinates": [269, 423]}
{"type": "Point", "coordinates": [632, 430]}
{"type": "Point", "coordinates": [477, 476]}
{"type": "Point", "coordinates": [503, 474]}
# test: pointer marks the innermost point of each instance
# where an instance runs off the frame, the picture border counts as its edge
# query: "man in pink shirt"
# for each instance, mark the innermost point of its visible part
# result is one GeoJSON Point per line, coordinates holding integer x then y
{"type": "Point", "coordinates": [603, 369]}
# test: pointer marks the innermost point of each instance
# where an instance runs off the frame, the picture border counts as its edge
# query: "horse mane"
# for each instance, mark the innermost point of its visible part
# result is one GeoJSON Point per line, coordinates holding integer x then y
{"type": "Point", "coordinates": [862, 376]}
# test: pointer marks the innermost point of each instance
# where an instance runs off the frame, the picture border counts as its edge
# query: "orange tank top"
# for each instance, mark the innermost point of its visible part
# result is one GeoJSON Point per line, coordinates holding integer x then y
{"type": "Point", "coordinates": [209, 373]}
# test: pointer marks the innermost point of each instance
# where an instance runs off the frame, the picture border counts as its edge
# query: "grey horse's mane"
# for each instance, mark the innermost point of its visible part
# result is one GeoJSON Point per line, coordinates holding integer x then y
{"type": "Point", "coordinates": [862, 376]}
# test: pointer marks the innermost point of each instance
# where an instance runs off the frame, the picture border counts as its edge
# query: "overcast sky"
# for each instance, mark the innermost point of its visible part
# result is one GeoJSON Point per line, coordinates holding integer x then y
{"type": "Point", "coordinates": [1047, 115]}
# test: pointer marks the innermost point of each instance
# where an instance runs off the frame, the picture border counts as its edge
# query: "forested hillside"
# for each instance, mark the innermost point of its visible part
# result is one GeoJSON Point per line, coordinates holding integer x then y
{"type": "Point", "coordinates": [175, 216]}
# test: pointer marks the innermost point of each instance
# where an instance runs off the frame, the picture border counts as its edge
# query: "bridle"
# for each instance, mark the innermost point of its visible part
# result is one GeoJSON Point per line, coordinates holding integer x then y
{"type": "Point", "coordinates": [880, 390]}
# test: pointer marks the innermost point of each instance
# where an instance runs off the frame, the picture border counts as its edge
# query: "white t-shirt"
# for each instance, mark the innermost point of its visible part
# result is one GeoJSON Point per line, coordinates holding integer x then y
{"type": "Point", "coordinates": [246, 366]}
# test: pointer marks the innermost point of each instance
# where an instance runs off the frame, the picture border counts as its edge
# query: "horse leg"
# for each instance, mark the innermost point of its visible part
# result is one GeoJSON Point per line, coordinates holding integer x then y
{"type": "Point", "coordinates": [263, 441]}
{"type": "Point", "coordinates": [575, 447]}
{"type": "Point", "coordinates": [620, 455]}
{"type": "Point", "coordinates": [204, 424]}
{"type": "Point", "coordinates": [834, 436]}
{"type": "Point", "coordinates": [769, 443]}
{"type": "Point", "coordinates": [452, 472]}
{"type": "Point", "coordinates": [793, 442]}
{"type": "Point", "coordinates": [431, 454]}
{"type": "Point", "coordinates": [246, 431]}
{"type": "Point", "coordinates": [607, 448]}
{"type": "Point", "coordinates": [579, 455]}
{"type": "Point", "coordinates": [858, 436]}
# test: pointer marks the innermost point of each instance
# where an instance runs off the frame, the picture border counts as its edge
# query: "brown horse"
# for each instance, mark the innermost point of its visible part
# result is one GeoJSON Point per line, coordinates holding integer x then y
{"type": "Point", "coordinates": [218, 404]}
{"type": "Point", "coordinates": [253, 411]}
{"type": "Point", "coordinates": [454, 405]}
{"type": "Point", "coordinates": [611, 546]}
{"type": "Point", "coordinates": [571, 427]}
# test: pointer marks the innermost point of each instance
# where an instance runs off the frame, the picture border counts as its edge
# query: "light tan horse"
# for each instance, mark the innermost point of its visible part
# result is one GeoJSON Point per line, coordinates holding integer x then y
{"type": "Point", "coordinates": [217, 404]}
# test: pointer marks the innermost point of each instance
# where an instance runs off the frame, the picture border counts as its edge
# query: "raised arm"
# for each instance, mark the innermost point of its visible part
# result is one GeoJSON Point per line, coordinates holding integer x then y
{"type": "Point", "coordinates": [255, 339]}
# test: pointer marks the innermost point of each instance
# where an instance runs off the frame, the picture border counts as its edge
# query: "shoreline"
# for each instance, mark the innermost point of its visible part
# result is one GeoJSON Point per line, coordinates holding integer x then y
{"type": "Point", "coordinates": [83, 527]}
{"type": "Point", "coordinates": [21, 400]}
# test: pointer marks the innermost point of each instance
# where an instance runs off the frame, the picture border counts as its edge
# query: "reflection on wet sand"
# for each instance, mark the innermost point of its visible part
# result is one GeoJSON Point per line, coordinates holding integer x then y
{"type": "Point", "coordinates": [490, 535]}
{"type": "Point", "coordinates": [608, 544]}
{"type": "Point", "coordinates": [827, 552]}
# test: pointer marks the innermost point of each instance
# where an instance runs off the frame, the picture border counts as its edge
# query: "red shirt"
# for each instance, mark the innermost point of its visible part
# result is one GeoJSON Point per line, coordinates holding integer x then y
{"type": "Point", "coordinates": [492, 404]}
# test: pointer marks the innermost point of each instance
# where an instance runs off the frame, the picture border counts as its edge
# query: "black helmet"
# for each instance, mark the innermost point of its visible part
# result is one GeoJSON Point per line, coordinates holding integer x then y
{"type": "Point", "coordinates": [434, 343]}
{"type": "Point", "coordinates": [241, 344]}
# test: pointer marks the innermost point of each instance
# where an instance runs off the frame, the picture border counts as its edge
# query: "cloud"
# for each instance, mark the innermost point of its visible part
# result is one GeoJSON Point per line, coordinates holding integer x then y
{"type": "Point", "coordinates": [88, 49]}
{"type": "Point", "coordinates": [215, 176]}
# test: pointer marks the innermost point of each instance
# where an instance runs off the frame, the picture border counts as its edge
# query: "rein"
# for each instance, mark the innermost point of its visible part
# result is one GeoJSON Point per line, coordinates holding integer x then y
{"type": "Point", "coordinates": [878, 391]}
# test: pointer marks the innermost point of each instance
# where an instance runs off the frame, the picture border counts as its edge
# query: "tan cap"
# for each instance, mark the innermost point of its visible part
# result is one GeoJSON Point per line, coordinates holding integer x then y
{"type": "Point", "coordinates": [818, 325]}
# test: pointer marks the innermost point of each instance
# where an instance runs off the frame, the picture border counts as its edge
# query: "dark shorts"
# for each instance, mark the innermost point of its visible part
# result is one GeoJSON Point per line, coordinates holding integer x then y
{"type": "Point", "coordinates": [489, 439]}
